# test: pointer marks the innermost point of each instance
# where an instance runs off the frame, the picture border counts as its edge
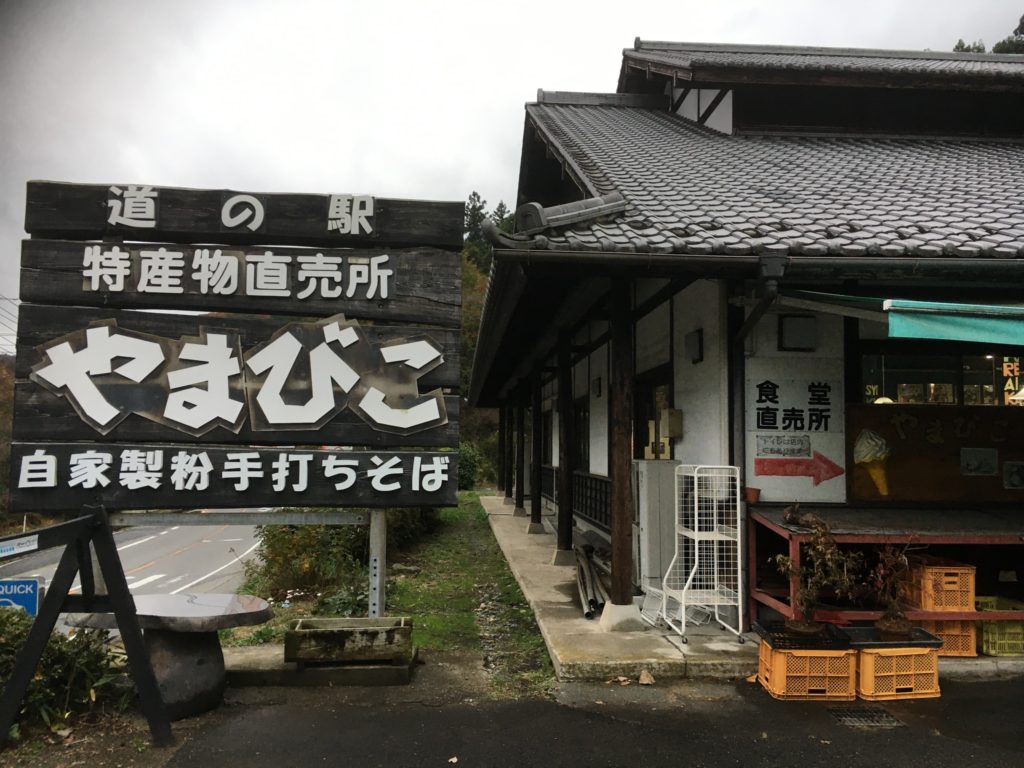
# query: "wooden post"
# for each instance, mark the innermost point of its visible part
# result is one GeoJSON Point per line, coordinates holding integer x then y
{"type": "Point", "coordinates": [566, 451]}
{"type": "Point", "coordinates": [508, 453]}
{"type": "Point", "coordinates": [537, 429]}
{"type": "Point", "coordinates": [620, 431]}
{"type": "Point", "coordinates": [502, 426]}
{"type": "Point", "coordinates": [378, 562]}
{"type": "Point", "coordinates": [521, 455]}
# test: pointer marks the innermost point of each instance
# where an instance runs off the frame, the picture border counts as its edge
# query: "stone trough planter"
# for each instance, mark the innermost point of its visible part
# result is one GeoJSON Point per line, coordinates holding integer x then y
{"type": "Point", "coordinates": [349, 640]}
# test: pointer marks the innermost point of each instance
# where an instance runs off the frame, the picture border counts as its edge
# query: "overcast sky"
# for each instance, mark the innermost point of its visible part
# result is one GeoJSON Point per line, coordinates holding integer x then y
{"type": "Point", "coordinates": [396, 99]}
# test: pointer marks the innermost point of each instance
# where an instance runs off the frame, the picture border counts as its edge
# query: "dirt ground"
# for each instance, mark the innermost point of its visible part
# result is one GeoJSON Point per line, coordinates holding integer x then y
{"type": "Point", "coordinates": [122, 741]}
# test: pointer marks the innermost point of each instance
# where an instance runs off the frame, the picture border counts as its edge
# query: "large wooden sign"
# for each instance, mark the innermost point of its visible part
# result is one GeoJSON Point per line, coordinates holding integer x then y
{"type": "Point", "coordinates": [355, 348]}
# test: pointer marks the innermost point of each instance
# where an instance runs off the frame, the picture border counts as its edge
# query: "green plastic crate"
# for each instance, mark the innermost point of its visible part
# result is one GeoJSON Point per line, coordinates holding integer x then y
{"type": "Point", "coordinates": [1000, 638]}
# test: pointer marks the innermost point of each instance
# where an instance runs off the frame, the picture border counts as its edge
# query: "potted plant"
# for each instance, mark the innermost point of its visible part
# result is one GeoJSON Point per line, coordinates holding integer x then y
{"type": "Point", "coordinates": [824, 571]}
{"type": "Point", "coordinates": [888, 581]}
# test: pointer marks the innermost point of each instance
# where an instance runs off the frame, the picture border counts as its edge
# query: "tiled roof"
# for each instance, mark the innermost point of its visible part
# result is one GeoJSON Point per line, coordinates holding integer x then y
{"type": "Point", "coordinates": [692, 190]}
{"type": "Point", "coordinates": [690, 56]}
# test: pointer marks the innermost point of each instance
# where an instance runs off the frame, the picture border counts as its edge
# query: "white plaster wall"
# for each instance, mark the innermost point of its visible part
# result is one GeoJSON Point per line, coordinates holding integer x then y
{"type": "Point", "coordinates": [793, 371]}
{"type": "Point", "coordinates": [580, 378]}
{"type": "Point", "coordinates": [702, 389]}
{"type": "Point", "coordinates": [652, 338]}
{"type": "Point", "coordinates": [599, 412]}
{"type": "Point", "coordinates": [697, 101]}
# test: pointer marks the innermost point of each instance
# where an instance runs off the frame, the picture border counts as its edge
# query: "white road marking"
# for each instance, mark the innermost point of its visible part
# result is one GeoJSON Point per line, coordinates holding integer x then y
{"type": "Point", "coordinates": [215, 572]}
{"type": "Point", "coordinates": [147, 580]}
{"type": "Point", "coordinates": [175, 527]}
{"type": "Point", "coordinates": [176, 579]}
{"type": "Point", "coordinates": [230, 539]}
{"type": "Point", "coordinates": [137, 541]}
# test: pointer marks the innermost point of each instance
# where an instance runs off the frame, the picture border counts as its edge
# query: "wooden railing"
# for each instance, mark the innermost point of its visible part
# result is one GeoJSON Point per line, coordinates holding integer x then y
{"type": "Point", "coordinates": [590, 494]}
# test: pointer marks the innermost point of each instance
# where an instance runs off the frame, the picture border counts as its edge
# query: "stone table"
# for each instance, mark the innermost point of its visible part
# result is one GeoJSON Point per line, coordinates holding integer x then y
{"type": "Point", "coordinates": [180, 632]}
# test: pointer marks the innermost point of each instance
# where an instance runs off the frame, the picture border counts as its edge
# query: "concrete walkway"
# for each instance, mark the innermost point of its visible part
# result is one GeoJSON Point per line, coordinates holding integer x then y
{"type": "Point", "coordinates": [581, 651]}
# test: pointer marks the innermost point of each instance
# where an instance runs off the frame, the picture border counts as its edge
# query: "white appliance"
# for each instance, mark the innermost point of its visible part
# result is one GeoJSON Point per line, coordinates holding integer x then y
{"type": "Point", "coordinates": [654, 508]}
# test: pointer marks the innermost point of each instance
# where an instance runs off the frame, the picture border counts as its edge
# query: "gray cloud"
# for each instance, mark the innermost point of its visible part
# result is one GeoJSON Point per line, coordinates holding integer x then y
{"type": "Point", "coordinates": [401, 99]}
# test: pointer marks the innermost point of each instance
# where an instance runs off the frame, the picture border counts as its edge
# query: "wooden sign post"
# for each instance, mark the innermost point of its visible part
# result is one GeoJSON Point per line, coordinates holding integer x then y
{"type": "Point", "coordinates": [316, 365]}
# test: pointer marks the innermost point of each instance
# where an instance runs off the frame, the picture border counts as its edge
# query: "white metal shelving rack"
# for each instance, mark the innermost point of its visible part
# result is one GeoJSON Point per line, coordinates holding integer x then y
{"type": "Point", "coordinates": [705, 576]}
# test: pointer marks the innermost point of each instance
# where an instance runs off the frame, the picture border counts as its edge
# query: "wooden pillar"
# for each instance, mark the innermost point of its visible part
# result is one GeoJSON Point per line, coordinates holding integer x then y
{"type": "Point", "coordinates": [620, 433]}
{"type": "Point", "coordinates": [536, 452]}
{"type": "Point", "coordinates": [508, 453]}
{"type": "Point", "coordinates": [521, 455]}
{"type": "Point", "coordinates": [502, 426]}
{"type": "Point", "coordinates": [566, 444]}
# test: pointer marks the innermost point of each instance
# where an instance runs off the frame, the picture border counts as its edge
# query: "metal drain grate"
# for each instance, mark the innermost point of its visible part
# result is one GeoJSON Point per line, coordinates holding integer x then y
{"type": "Point", "coordinates": [864, 717]}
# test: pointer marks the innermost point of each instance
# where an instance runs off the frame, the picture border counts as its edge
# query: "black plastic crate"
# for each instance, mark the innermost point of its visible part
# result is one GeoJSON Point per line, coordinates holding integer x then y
{"type": "Point", "coordinates": [777, 636]}
{"type": "Point", "coordinates": [868, 637]}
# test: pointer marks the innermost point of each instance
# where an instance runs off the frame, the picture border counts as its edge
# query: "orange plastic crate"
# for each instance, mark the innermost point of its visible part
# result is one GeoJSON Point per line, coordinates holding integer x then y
{"type": "Point", "coordinates": [959, 638]}
{"type": "Point", "coordinates": [941, 585]}
{"type": "Point", "coordinates": [898, 673]}
{"type": "Point", "coordinates": [799, 675]}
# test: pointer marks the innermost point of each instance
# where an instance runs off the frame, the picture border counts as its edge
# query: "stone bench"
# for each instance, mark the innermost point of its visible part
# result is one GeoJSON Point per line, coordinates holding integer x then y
{"type": "Point", "coordinates": [180, 632]}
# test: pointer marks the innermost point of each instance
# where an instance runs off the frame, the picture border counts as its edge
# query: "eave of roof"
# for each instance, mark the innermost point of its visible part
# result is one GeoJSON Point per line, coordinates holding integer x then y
{"type": "Point", "coordinates": [705, 62]}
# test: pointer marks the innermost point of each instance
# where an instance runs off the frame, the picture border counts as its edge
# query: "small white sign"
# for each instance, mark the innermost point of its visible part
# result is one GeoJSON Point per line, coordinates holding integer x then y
{"type": "Point", "coordinates": [19, 546]}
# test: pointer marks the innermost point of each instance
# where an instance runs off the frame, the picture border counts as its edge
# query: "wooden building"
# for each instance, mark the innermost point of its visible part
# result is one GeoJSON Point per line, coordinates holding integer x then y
{"type": "Point", "coordinates": [802, 262]}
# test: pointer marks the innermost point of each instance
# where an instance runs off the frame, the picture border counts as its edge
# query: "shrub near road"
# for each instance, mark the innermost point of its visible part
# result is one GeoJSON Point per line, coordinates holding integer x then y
{"type": "Point", "coordinates": [447, 572]}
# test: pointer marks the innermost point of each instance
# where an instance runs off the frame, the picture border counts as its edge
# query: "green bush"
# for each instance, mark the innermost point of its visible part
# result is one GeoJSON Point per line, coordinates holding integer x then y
{"type": "Point", "coordinates": [75, 675]}
{"type": "Point", "coordinates": [315, 560]}
{"type": "Point", "coordinates": [469, 466]}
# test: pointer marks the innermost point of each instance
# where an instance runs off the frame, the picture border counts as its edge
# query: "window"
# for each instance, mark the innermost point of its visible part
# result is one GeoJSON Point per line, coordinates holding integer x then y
{"type": "Point", "coordinates": [653, 398]}
{"type": "Point", "coordinates": [907, 377]}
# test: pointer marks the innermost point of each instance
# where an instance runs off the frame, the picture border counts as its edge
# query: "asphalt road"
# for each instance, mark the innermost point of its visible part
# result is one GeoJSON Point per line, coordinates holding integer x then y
{"type": "Point", "coordinates": [197, 558]}
{"type": "Point", "coordinates": [681, 725]}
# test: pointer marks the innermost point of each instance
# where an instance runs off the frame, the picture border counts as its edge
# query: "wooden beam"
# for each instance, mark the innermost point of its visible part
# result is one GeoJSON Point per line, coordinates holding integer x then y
{"type": "Point", "coordinates": [682, 97]}
{"type": "Point", "coordinates": [570, 309]}
{"type": "Point", "coordinates": [536, 452]}
{"type": "Point", "coordinates": [566, 442]}
{"type": "Point", "coordinates": [719, 97]}
{"type": "Point", "coordinates": [620, 431]}
{"type": "Point", "coordinates": [520, 456]}
{"type": "Point", "coordinates": [502, 428]}
{"type": "Point", "coordinates": [507, 467]}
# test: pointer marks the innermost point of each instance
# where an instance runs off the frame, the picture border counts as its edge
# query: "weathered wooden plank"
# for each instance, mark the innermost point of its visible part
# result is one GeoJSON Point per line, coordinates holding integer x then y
{"type": "Point", "coordinates": [83, 211]}
{"type": "Point", "coordinates": [288, 477]}
{"type": "Point", "coordinates": [39, 324]}
{"type": "Point", "coordinates": [273, 517]}
{"type": "Point", "coordinates": [422, 285]}
{"type": "Point", "coordinates": [43, 412]}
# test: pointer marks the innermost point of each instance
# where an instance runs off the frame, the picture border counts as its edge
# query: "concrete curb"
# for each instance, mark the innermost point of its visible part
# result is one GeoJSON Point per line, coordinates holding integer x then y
{"type": "Point", "coordinates": [263, 665]}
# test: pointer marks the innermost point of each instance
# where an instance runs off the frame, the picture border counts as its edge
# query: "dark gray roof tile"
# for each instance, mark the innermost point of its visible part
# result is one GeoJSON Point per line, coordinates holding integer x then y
{"type": "Point", "coordinates": [697, 189]}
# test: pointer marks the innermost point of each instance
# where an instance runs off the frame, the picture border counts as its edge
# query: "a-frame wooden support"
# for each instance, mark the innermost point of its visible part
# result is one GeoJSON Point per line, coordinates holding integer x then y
{"type": "Point", "coordinates": [75, 536]}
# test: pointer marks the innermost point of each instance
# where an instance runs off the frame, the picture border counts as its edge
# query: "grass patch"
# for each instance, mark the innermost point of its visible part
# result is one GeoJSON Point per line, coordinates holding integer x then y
{"type": "Point", "coordinates": [455, 584]}
{"type": "Point", "coordinates": [462, 596]}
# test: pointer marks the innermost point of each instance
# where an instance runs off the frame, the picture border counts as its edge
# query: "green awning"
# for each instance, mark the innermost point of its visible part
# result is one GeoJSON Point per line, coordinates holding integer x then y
{"type": "Point", "coordinates": [906, 319]}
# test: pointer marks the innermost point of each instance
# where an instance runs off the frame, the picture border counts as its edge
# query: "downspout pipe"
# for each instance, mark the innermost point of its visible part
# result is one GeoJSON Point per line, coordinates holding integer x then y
{"type": "Point", "coordinates": [771, 269]}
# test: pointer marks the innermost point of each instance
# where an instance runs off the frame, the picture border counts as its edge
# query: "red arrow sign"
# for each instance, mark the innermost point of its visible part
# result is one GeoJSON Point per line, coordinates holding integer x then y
{"type": "Point", "coordinates": [818, 468]}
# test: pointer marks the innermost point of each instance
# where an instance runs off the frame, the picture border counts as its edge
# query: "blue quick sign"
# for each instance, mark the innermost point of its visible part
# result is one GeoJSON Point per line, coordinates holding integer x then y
{"type": "Point", "coordinates": [20, 593]}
